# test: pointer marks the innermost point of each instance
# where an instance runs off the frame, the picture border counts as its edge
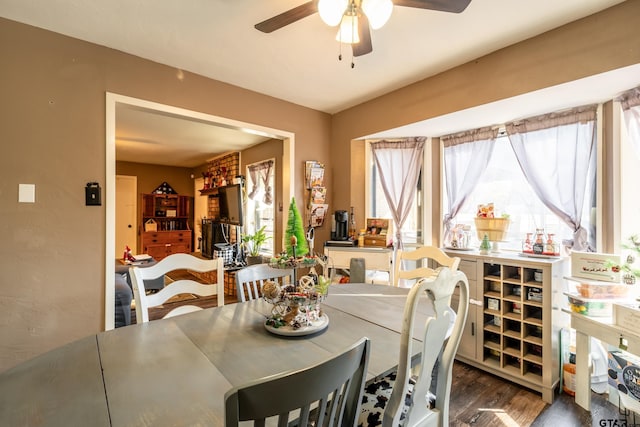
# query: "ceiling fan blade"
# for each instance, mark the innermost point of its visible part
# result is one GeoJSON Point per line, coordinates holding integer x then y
{"type": "Point", "coordinates": [288, 17]}
{"type": "Point", "coordinates": [454, 6]}
{"type": "Point", "coordinates": [364, 33]}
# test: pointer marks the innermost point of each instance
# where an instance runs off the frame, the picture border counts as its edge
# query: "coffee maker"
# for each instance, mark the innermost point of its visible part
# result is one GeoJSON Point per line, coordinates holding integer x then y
{"type": "Point", "coordinates": [340, 226]}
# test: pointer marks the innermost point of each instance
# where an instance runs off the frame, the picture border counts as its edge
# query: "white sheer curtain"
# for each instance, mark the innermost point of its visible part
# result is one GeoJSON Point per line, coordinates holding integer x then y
{"type": "Point", "coordinates": [630, 102]}
{"type": "Point", "coordinates": [557, 154]}
{"type": "Point", "coordinates": [259, 174]}
{"type": "Point", "coordinates": [466, 155]}
{"type": "Point", "coordinates": [399, 164]}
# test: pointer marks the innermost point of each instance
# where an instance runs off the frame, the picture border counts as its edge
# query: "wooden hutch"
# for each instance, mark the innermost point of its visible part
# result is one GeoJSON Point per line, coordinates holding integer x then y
{"type": "Point", "coordinates": [165, 225]}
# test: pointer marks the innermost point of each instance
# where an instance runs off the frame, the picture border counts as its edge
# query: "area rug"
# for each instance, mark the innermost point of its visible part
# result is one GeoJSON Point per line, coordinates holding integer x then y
{"type": "Point", "coordinates": [478, 399]}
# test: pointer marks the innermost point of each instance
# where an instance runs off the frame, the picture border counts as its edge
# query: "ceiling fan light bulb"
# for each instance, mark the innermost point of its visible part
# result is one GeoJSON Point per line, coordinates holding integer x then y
{"type": "Point", "coordinates": [348, 31]}
{"type": "Point", "coordinates": [378, 12]}
{"type": "Point", "coordinates": [331, 11]}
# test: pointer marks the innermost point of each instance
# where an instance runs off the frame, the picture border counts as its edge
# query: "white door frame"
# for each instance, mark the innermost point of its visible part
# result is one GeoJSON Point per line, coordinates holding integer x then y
{"type": "Point", "coordinates": [200, 201]}
{"type": "Point", "coordinates": [112, 101]}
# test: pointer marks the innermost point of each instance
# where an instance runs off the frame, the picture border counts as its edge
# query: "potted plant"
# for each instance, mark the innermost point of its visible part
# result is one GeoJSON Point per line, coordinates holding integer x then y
{"type": "Point", "coordinates": [252, 244]}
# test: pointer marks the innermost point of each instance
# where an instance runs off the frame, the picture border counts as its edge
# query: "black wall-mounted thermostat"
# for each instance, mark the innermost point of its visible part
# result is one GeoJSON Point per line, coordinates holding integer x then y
{"type": "Point", "coordinates": [92, 194]}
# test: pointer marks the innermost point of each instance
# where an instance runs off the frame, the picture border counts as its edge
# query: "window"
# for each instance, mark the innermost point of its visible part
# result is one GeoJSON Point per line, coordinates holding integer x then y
{"type": "Point", "coordinates": [504, 185]}
{"type": "Point", "coordinates": [260, 202]}
{"type": "Point", "coordinates": [412, 231]}
{"type": "Point", "coordinates": [629, 173]}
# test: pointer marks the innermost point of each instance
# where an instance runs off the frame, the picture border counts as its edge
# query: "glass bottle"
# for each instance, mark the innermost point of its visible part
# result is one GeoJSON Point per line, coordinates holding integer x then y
{"type": "Point", "coordinates": [549, 248]}
{"type": "Point", "coordinates": [352, 226]}
{"type": "Point", "coordinates": [528, 244]}
{"type": "Point", "coordinates": [538, 246]}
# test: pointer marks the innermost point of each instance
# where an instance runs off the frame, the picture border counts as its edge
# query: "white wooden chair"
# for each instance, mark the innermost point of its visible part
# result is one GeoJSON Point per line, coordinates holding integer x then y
{"type": "Point", "coordinates": [249, 280]}
{"type": "Point", "coordinates": [185, 286]}
{"type": "Point", "coordinates": [421, 255]}
{"type": "Point", "coordinates": [326, 394]}
{"type": "Point", "coordinates": [411, 402]}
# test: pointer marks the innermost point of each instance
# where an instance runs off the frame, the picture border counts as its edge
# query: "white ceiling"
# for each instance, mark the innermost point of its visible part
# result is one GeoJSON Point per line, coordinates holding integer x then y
{"type": "Point", "coordinates": [156, 137]}
{"type": "Point", "coordinates": [299, 63]}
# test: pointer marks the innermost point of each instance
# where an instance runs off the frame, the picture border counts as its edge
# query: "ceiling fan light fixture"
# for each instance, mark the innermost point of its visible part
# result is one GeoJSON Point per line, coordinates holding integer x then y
{"type": "Point", "coordinates": [378, 12]}
{"type": "Point", "coordinates": [331, 11]}
{"type": "Point", "coordinates": [348, 31]}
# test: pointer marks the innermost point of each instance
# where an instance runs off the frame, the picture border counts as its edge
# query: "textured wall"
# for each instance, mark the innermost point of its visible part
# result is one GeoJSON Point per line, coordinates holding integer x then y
{"type": "Point", "coordinates": [52, 128]}
{"type": "Point", "coordinates": [596, 44]}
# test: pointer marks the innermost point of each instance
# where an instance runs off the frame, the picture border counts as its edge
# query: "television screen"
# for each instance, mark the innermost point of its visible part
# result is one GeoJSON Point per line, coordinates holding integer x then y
{"type": "Point", "coordinates": [231, 204]}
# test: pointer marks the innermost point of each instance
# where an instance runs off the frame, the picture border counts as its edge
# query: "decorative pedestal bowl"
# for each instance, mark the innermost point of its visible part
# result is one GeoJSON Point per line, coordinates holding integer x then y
{"type": "Point", "coordinates": [296, 309]}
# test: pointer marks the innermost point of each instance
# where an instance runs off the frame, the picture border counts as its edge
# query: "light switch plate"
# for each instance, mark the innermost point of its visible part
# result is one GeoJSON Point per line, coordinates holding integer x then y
{"type": "Point", "coordinates": [26, 193]}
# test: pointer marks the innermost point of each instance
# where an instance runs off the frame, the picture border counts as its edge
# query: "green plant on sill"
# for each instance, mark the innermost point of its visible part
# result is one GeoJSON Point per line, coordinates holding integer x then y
{"type": "Point", "coordinates": [253, 242]}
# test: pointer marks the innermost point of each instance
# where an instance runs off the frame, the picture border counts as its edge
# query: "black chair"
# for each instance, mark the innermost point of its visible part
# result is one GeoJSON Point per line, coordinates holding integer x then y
{"type": "Point", "coordinates": [326, 394]}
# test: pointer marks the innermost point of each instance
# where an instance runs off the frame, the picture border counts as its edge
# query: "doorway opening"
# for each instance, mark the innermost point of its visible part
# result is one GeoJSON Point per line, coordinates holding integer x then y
{"type": "Point", "coordinates": [115, 101]}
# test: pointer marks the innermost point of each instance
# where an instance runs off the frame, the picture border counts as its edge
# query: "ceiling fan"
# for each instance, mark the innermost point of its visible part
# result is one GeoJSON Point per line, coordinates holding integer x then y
{"type": "Point", "coordinates": [355, 17]}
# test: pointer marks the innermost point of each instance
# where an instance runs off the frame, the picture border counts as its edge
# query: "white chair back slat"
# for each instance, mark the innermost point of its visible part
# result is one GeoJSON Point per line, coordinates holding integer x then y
{"type": "Point", "coordinates": [183, 286]}
{"type": "Point", "coordinates": [249, 280]}
{"type": "Point", "coordinates": [421, 255]}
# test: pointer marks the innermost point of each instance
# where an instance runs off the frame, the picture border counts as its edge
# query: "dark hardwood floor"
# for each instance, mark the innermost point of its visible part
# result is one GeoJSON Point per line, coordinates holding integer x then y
{"type": "Point", "coordinates": [481, 399]}
{"type": "Point", "coordinates": [565, 413]}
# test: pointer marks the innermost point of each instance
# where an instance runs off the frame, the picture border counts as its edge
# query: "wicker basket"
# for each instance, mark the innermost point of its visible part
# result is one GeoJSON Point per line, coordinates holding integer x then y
{"type": "Point", "coordinates": [150, 225]}
{"type": "Point", "coordinates": [494, 228]}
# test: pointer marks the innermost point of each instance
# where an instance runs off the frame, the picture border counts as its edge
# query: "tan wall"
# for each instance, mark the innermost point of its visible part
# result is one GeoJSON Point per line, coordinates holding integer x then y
{"type": "Point", "coordinates": [357, 186]}
{"type": "Point", "coordinates": [599, 43]}
{"type": "Point", "coordinates": [151, 176]}
{"type": "Point", "coordinates": [52, 128]}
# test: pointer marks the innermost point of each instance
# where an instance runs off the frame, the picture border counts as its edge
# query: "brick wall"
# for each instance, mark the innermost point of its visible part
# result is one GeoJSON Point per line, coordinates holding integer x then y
{"type": "Point", "coordinates": [222, 171]}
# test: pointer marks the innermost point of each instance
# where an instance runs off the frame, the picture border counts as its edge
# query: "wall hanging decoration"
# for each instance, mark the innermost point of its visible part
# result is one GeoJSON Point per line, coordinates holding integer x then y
{"type": "Point", "coordinates": [164, 188]}
{"type": "Point", "coordinates": [317, 206]}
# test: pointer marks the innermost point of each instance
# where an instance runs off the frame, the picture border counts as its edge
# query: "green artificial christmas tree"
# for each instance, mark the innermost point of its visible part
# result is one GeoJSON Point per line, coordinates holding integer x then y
{"type": "Point", "coordinates": [295, 229]}
{"type": "Point", "coordinates": [485, 246]}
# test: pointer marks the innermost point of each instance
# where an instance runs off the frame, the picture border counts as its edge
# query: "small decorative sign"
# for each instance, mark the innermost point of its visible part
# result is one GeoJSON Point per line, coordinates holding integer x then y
{"type": "Point", "coordinates": [596, 266]}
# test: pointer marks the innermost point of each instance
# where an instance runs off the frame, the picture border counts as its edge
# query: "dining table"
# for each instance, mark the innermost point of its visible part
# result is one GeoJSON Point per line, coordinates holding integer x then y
{"type": "Point", "coordinates": [176, 371]}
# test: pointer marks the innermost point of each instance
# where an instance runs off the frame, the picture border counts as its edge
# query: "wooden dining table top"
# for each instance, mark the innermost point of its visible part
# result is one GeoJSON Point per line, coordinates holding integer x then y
{"type": "Point", "coordinates": [176, 371]}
